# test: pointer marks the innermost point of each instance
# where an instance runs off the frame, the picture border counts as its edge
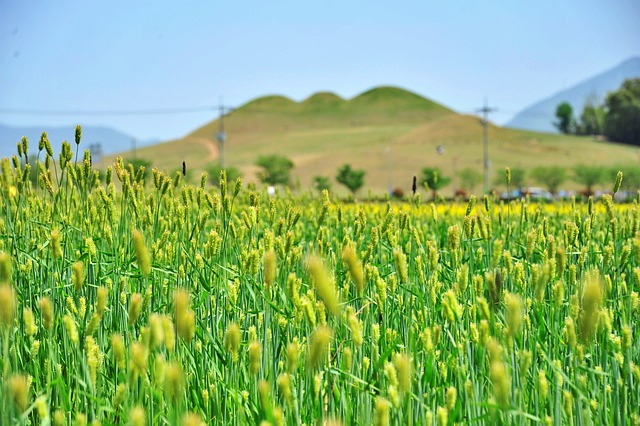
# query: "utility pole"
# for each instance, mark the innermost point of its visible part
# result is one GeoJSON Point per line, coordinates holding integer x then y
{"type": "Point", "coordinates": [221, 136]}
{"type": "Point", "coordinates": [485, 110]}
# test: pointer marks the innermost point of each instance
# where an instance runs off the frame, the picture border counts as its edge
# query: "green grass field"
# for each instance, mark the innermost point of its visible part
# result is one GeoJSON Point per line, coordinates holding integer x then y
{"type": "Point", "coordinates": [181, 304]}
{"type": "Point", "coordinates": [323, 132]}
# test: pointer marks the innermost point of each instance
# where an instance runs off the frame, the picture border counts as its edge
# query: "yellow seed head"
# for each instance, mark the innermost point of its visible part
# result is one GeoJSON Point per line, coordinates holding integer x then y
{"type": "Point", "coordinates": [117, 347]}
{"type": "Point", "coordinates": [543, 385]}
{"type": "Point", "coordinates": [77, 277]}
{"type": "Point", "coordinates": [56, 247]}
{"type": "Point", "coordinates": [71, 327]}
{"type": "Point", "coordinates": [402, 363]}
{"type": "Point", "coordinates": [284, 386]}
{"type": "Point", "coordinates": [29, 322]}
{"type": "Point", "coordinates": [269, 268]}
{"type": "Point", "coordinates": [293, 353]}
{"type": "Point", "coordinates": [191, 419]}
{"type": "Point", "coordinates": [101, 303]}
{"type": "Point", "coordinates": [135, 305]}
{"type": "Point", "coordinates": [232, 340]}
{"type": "Point", "coordinates": [157, 332]}
{"type": "Point", "coordinates": [500, 382]}
{"type": "Point", "coordinates": [169, 333]}
{"type": "Point", "coordinates": [401, 265]}
{"type": "Point", "coordinates": [319, 342]}
{"type": "Point", "coordinates": [5, 268]}
{"type": "Point", "coordinates": [255, 357]}
{"type": "Point", "coordinates": [142, 254]}
{"type": "Point", "coordinates": [356, 272]}
{"type": "Point", "coordinates": [442, 416]}
{"type": "Point", "coordinates": [184, 317]}
{"type": "Point", "coordinates": [7, 305]}
{"type": "Point", "coordinates": [120, 396]}
{"type": "Point", "coordinates": [46, 308]}
{"type": "Point", "coordinates": [450, 398]}
{"type": "Point", "coordinates": [174, 381]}
{"type": "Point", "coordinates": [139, 356]}
{"type": "Point", "coordinates": [356, 331]}
{"type": "Point", "coordinates": [137, 416]}
{"type": "Point", "coordinates": [19, 391]}
{"type": "Point", "coordinates": [325, 287]}
{"type": "Point", "coordinates": [381, 414]}
{"type": "Point", "coordinates": [591, 302]}
{"type": "Point", "coordinates": [514, 314]}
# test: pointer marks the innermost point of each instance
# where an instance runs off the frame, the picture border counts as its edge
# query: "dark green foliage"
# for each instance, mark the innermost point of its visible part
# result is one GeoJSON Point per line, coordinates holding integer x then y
{"type": "Point", "coordinates": [433, 178]}
{"type": "Point", "coordinates": [275, 169]}
{"type": "Point", "coordinates": [550, 176]}
{"type": "Point", "coordinates": [469, 178]}
{"type": "Point", "coordinates": [321, 183]}
{"type": "Point", "coordinates": [565, 122]}
{"type": "Point", "coordinates": [352, 179]}
{"type": "Point", "coordinates": [622, 122]}
{"type": "Point", "coordinates": [589, 176]}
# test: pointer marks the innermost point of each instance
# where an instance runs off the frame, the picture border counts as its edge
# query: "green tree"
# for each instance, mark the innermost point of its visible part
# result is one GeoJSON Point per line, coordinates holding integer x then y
{"type": "Point", "coordinates": [469, 178]}
{"type": "Point", "coordinates": [592, 118]}
{"type": "Point", "coordinates": [589, 176]}
{"type": "Point", "coordinates": [434, 180]}
{"type": "Point", "coordinates": [321, 183]}
{"type": "Point", "coordinates": [275, 169]}
{"type": "Point", "coordinates": [550, 176]}
{"type": "Point", "coordinates": [622, 121]}
{"type": "Point", "coordinates": [565, 122]}
{"type": "Point", "coordinates": [352, 179]}
{"type": "Point", "coordinates": [233, 173]}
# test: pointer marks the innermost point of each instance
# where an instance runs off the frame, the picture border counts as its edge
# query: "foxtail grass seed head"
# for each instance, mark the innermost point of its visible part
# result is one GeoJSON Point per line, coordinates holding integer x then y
{"type": "Point", "coordinates": [402, 363]}
{"type": "Point", "coordinates": [590, 306]}
{"type": "Point", "coordinates": [101, 303]}
{"type": "Point", "coordinates": [7, 305]}
{"type": "Point", "coordinates": [46, 309]}
{"type": "Point", "coordinates": [381, 414]}
{"type": "Point", "coordinates": [72, 330]}
{"type": "Point", "coordinates": [77, 277]}
{"type": "Point", "coordinates": [232, 340]}
{"type": "Point", "coordinates": [137, 416]}
{"type": "Point", "coordinates": [255, 357]}
{"type": "Point", "coordinates": [184, 317]}
{"type": "Point", "coordinates": [325, 287]}
{"type": "Point", "coordinates": [192, 419]}
{"type": "Point", "coordinates": [5, 268]}
{"type": "Point", "coordinates": [293, 353]}
{"type": "Point", "coordinates": [142, 254]}
{"type": "Point", "coordinates": [56, 247]}
{"type": "Point", "coordinates": [135, 305]}
{"type": "Point", "coordinates": [354, 266]}
{"type": "Point", "coordinates": [318, 344]}
{"type": "Point", "coordinates": [356, 330]}
{"type": "Point", "coordinates": [450, 398]}
{"type": "Point", "coordinates": [30, 327]}
{"type": "Point", "coordinates": [269, 268]}
{"type": "Point", "coordinates": [401, 265]}
{"type": "Point", "coordinates": [117, 348]}
{"type": "Point", "coordinates": [618, 183]}
{"type": "Point", "coordinates": [19, 390]}
{"type": "Point", "coordinates": [174, 381]}
{"type": "Point", "coordinates": [514, 314]}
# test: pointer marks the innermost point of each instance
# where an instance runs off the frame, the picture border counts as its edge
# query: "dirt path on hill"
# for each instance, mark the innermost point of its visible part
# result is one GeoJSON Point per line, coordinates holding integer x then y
{"type": "Point", "coordinates": [211, 149]}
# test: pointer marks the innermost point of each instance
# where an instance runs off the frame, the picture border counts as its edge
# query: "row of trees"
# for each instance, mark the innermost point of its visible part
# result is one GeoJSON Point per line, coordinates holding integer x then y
{"type": "Point", "coordinates": [618, 118]}
{"type": "Point", "coordinates": [551, 177]}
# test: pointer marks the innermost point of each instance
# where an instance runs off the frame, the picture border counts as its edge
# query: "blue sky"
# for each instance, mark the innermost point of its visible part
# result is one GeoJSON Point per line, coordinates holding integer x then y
{"type": "Point", "coordinates": [131, 55]}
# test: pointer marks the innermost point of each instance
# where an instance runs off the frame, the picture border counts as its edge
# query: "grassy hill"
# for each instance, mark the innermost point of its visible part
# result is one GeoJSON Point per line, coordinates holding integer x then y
{"type": "Point", "coordinates": [378, 128]}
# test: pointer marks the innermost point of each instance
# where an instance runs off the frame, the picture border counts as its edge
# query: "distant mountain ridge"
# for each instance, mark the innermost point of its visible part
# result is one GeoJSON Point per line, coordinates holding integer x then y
{"type": "Point", "coordinates": [540, 115]}
{"type": "Point", "coordinates": [110, 139]}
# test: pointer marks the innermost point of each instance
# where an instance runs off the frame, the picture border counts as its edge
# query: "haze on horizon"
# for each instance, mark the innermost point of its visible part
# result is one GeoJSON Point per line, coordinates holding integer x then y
{"type": "Point", "coordinates": [121, 56]}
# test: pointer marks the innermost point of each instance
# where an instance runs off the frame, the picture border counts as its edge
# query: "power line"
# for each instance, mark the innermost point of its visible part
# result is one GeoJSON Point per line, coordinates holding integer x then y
{"type": "Point", "coordinates": [485, 110]}
{"type": "Point", "coordinates": [158, 111]}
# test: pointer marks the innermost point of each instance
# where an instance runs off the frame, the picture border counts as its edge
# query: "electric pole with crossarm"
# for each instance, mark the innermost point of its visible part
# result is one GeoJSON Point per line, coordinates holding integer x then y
{"type": "Point", "coordinates": [221, 136]}
{"type": "Point", "coordinates": [485, 110]}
